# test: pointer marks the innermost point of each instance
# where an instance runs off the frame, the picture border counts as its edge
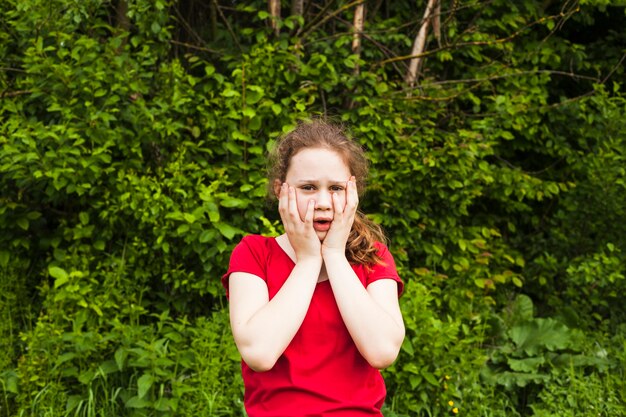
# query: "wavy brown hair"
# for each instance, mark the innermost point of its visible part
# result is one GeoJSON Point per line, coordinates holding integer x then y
{"type": "Point", "coordinates": [319, 133]}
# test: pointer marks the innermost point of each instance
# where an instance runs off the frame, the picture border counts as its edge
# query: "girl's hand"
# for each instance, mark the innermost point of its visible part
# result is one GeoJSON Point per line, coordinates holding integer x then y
{"type": "Point", "coordinates": [301, 233]}
{"type": "Point", "coordinates": [337, 236]}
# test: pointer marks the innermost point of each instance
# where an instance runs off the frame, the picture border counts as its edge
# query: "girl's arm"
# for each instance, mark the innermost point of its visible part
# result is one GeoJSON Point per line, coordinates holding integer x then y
{"type": "Point", "coordinates": [371, 315]}
{"type": "Point", "coordinates": [263, 328]}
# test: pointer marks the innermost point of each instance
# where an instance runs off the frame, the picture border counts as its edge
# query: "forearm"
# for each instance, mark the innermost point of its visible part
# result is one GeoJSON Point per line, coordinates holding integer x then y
{"type": "Point", "coordinates": [264, 334]}
{"type": "Point", "coordinates": [377, 330]}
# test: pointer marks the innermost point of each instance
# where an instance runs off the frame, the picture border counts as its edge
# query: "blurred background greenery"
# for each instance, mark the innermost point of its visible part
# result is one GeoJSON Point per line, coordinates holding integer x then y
{"type": "Point", "coordinates": [133, 136]}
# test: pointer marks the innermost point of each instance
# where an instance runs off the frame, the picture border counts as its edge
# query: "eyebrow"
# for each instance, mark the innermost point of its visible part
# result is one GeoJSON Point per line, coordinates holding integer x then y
{"type": "Point", "coordinates": [333, 182]}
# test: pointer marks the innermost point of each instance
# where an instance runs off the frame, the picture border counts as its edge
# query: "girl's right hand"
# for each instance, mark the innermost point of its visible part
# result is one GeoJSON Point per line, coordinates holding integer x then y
{"type": "Point", "coordinates": [301, 233]}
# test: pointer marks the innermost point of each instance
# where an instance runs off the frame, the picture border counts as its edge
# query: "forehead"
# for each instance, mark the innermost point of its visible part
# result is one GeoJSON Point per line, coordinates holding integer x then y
{"type": "Point", "coordinates": [318, 162]}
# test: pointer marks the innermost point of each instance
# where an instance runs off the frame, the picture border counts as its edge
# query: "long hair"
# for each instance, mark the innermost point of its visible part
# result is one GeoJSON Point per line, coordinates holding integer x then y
{"type": "Point", "coordinates": [360, 248]}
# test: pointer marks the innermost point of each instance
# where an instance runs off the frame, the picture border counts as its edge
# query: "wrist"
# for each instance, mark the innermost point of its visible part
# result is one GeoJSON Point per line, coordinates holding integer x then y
{"type": "Point", "coordinates": [309, 259]}
{"type": "Point", "coordinates": [332, 254]}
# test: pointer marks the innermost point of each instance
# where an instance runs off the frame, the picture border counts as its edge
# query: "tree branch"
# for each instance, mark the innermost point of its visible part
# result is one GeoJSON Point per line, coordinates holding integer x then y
{"type": "Point", "coordinates": [274, 9]}
{"type": "Point", "coordinates": [359, 13]}
{"type": "Point", "coordinates": [228, 27]}
{"type": "Point", "coordinates": [419, 44]}
{"type": "Point", "coordinates": [330, 16]}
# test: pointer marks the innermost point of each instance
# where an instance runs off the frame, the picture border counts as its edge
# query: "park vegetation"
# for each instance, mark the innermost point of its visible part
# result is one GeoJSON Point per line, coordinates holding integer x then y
{"type": "Point", "coordinates": [133, 136]}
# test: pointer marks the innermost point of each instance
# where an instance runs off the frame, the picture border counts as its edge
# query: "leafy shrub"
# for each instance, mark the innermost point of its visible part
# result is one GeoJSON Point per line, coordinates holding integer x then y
{"type": "Point", "coordinates": [132, 148]}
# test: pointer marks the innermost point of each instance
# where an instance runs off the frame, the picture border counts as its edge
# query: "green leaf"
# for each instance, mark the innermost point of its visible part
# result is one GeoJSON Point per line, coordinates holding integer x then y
{"type": "Point", "coordinates": [144, 383]}
{"type": "Point", "coordinates": [233, 202]}
{"type": "Point", "coordinates": [429, 377]}
{"type": "Point", "coordinates": [61, 277]}
{"type": "Point", "coordinates": [254, 93]}
{"type": "Point", "coordinates": [522, 308]}
{"type": "Point", "coordinates": [108, 367]}
{"type": "Point", "coordinates": [137, 402]}
{"type": "Point", "coordinates": [4, 258]}
{"type": "Point", "coordinates": [10, 381]}
{"type": "Point", "coordinates": [23, 223]}
{"type": "Point", "coordinates": [249, 112]}
{"type": "Point", "coordinates": [120, 357]}
{"type": "Point", "coordinates": [407, 347]}
{"type": "Point", "coordinates": [206, 236]}
{"type": "Point", "coordinates": [540, 335]}
{"type": "Point", "coordinates": [33, 215]}
{"type": "Point", "coordinates": [526, 364]}
{"type": "Point", "coordinates": [226, 230]}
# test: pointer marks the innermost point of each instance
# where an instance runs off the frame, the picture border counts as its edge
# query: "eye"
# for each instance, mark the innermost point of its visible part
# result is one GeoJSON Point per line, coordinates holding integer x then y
{"type": "Point", "coordinates": [337, 188]}
{"type": "Point", "coordinates": [307, 187]}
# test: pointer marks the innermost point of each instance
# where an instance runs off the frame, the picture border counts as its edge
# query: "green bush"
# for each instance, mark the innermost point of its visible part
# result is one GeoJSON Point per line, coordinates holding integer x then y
{"type": "Point", "coordinates": [133, 137]}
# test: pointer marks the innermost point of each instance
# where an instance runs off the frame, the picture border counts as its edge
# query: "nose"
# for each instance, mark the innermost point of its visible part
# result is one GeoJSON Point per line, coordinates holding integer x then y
{"type": "Point", "coordinates": [324, 200]}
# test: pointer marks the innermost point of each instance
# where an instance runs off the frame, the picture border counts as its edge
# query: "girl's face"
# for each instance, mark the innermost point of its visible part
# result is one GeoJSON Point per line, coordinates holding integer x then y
{"type": "Point", "coordinates": [316, 174]}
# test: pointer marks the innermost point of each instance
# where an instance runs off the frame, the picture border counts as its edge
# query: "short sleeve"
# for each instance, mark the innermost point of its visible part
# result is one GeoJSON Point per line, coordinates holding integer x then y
{"type": "Point", "coordinates": [386, 269]}
{"type": "Point", "coordinates": [248, 256]}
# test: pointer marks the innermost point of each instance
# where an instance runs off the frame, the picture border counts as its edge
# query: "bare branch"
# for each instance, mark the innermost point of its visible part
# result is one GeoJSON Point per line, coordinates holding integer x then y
{"type": "Point", "coordinates": [227, 23]}
{"type": "Point", "coordinates": [330, 16]}
{"type": "Point", "coordinates": [420, 42]}
{"type": "Point", "coordinates": [274, 9]}
{"type": "Point", "coordinates": [437, 23]}
{"type": "Point", "coordinates": [473, 43]}
{"type": "Point", "coordinates": [196, 47]}
{"type": "Point", "coordinates": [359, 20]}
{"type": "Point", "coordinates": [297, 7]}
{"type": "Point", "coordinates": [14, 93]}
{"type": "Point", "coordinates": [121, 13]}
{"type": "Point", "coordinates": [358, 28]}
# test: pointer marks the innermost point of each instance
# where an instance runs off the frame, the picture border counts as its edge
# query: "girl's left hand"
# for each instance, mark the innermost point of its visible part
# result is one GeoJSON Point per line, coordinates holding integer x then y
{"type": "Point", "coordinates": [343, 218]}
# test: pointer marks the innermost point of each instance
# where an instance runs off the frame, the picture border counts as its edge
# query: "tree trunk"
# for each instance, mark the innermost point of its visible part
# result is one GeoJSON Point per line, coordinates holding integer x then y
{"type": "Point", "coordinates": [437, 22]}
{"type": "Point", "coordinates": [359, 21]}
{"type": "Point", "coordinates": [297, 7]}
{"type": "Point", "coordinates": [420, 42]}
{"type": "Point", "coordinates": [274, 9]}
{"type": "Point", "coordinates": [121, 13]}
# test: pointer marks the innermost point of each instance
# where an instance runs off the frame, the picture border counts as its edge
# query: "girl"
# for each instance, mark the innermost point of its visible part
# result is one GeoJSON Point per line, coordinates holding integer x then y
{"type": "Point", "coordinates": [314, 312]}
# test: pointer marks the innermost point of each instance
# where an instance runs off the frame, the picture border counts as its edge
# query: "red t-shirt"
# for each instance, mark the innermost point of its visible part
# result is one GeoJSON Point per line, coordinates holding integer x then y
{"type": "Point", "coordinates": [321, 373]}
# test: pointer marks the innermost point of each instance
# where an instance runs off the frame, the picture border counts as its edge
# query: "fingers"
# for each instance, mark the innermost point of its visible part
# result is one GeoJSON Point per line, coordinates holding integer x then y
{"type": "Point", "coordinates": [293, 203]}
{"type": "Point", "coordinates": [288, 208]}
{"type": "Point", "coordinates": [352, 198]}
{"type": "Point", "coordinates": [354, 192]}
{"type": "Point", "coordinates": [308, 217]}
{"type": "Point", "coordinates": [286, 203]}
{"type": "Point", "coordinates": [336, 202]}
{"type": "Point", "coordinates": [283, 203]}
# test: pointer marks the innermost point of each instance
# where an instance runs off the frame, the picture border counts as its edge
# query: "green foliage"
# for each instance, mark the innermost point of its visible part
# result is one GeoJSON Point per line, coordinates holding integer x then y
{"type": "Point", "coordinates": [533, 355]}
{"type": "Point", "coordinates": [132, 159]}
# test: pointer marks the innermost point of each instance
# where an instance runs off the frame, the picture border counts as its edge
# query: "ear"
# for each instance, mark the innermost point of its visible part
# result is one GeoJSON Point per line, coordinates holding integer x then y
{"type": "Point", "coordinates": [277, 185]}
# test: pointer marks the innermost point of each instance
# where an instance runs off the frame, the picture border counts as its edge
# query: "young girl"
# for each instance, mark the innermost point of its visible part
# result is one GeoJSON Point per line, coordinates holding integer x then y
{"type": "Point", "coordinates": [314, 312]}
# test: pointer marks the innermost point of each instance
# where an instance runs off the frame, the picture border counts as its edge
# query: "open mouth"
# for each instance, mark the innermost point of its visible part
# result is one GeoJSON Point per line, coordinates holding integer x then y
{"type": "Point", "coordinates": [322, 225]}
